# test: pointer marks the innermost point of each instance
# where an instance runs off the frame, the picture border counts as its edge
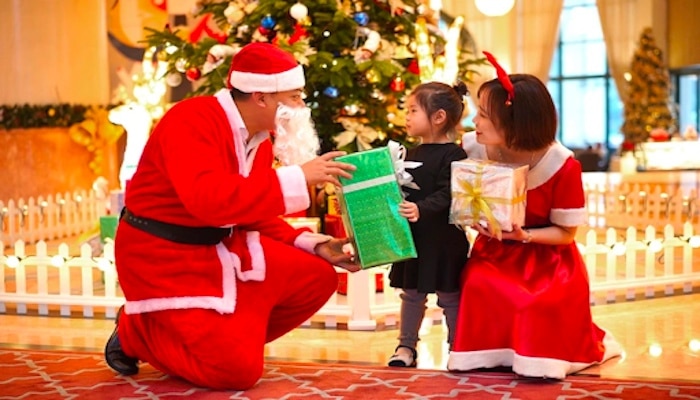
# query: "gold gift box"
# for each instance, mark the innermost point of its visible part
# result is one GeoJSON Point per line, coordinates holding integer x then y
{"type": "Point", "coordinates": [488, 191]}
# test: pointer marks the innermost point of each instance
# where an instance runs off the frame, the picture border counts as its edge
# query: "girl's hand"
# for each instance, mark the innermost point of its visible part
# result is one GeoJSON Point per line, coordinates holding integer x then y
{"type": "Point", "coordinates": [409, 210]}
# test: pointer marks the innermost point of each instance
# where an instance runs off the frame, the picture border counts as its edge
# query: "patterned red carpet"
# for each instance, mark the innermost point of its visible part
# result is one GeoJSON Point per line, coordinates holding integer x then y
{"type": "Point", "coordinates": [30, 374]}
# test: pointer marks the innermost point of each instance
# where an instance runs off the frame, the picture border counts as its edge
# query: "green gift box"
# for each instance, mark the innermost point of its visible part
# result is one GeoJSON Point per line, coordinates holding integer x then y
{"type": "Point", "coordinates": [369, 205]}
{"type": "Point", "coordinates": [108, 226]}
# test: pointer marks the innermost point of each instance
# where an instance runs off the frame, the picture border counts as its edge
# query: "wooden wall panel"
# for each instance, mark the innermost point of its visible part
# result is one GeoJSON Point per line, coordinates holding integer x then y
{"type": "Point", "coordinates": [43, 161]}
{"type": "Point", "coordinates": [683, 33]}
{"type": "Point", "coordinates": [53, 51]}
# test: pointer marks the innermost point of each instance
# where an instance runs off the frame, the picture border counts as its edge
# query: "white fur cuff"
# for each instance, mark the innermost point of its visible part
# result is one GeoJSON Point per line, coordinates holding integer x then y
{"type": "Point", "coordinates": [307, 241]}
{"type": "Point", "coordinates": [294, 188]}
{"type": "Point", "coordinates": [569, 216]}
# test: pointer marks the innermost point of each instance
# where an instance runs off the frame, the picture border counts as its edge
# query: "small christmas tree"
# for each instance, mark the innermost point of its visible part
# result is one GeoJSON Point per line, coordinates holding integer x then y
{"type": "Point", "coordinates": [360, 57]}
{"type": "Point", "coordinates": [649, 105]}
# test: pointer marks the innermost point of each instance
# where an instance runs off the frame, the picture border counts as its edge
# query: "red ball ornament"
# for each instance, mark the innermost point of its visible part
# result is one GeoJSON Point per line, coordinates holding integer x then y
{"type": "Point", "coordinates": [397, 85]}
{"type": "Point", "coordinates": [193, 73]}
{"type": "Point", "coordinates": [659, 135]}
{"type": "Point", "coordinates": [413, 67]}
{"type": "Point", "coordinates": [263, 31]}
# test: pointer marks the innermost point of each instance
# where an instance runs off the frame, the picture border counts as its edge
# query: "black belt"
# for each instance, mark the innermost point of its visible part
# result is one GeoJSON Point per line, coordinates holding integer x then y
{"type": "Point", "coordinates": [176, 233]}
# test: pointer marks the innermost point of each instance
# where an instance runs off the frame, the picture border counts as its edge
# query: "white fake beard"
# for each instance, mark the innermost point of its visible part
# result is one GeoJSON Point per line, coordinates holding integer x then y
{"type": "Point", "coordinates": [296, 141]}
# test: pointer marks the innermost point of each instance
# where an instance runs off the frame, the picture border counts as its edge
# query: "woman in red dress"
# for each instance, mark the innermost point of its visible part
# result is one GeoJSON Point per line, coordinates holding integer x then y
{"type": "Point", "coordinates": [525, 293]}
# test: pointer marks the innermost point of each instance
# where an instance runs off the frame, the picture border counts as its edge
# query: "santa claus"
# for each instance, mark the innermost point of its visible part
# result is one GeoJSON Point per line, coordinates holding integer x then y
{"type": "Point", "coordinates": [209, 270]}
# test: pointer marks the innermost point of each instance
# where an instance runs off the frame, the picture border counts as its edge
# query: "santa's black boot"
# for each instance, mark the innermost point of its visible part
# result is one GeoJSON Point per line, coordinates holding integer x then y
{"type": "Point", "coordinates": [115, 356]}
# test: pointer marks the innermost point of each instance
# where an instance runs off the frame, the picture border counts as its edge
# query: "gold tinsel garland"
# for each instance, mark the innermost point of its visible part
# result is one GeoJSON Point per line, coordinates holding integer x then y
{"type": "Point", "coordinates": [95, 133]}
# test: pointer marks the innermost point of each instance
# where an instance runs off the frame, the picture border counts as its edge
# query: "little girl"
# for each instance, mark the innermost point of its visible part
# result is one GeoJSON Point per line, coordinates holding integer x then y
{"type": "Point", "coordinates": [434, 111]}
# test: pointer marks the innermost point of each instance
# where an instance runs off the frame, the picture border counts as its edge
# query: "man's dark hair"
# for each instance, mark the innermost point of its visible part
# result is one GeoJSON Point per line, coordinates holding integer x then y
{"type": "Point", "coordinates": [238, 95]}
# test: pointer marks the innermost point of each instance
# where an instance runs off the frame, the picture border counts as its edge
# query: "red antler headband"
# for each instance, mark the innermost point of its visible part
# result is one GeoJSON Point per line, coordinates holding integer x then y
{"type": "Point", "coordinates": [502, 77]}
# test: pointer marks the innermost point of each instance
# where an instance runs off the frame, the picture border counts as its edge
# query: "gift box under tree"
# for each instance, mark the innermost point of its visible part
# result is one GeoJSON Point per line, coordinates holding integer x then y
{"type": "Point", "coordinates": [487, 191]}
{"type": "Point", "coordinates": [370, 210]}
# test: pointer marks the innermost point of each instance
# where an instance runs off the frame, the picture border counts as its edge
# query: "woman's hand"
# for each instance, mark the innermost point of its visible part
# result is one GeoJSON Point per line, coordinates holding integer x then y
{"type": "Point", "coordinates": [485, 229]}
{"type": "Point", "coordinates": [517, 232]}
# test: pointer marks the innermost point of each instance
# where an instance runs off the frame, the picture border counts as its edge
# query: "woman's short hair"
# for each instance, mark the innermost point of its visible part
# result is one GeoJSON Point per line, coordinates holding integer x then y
{"type": "Point", "coordinates": [530, 120]}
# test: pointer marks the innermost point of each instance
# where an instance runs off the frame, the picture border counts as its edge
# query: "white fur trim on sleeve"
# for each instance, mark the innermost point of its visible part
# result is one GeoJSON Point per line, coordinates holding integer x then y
{"type": "Point", "coordinates": [569, 216]}
{"type": "Point", "coordinates": [307, 241]}
{"type": "Point", "coordinates": [294, 188]}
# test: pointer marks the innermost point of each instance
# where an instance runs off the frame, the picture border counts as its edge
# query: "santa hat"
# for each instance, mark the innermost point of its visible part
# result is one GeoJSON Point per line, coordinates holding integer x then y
{"type": "Point", "coordinates": [262, 67]}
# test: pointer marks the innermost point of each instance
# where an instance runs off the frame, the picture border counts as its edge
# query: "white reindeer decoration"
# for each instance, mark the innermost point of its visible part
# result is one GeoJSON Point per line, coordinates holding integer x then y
{"type": "Point", "coordinates": [137, 122]}
{"type": "Point", "coordinates": [142, 94]}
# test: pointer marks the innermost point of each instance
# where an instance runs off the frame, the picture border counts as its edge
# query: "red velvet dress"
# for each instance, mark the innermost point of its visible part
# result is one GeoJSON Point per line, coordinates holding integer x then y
{"type": "Point", "coordinates": [526, 305]}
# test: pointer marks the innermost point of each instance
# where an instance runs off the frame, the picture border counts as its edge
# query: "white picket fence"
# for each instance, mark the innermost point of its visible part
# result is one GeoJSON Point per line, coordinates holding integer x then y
{"type": "Point", "coordinates": [619, 267]}
{"type": "Point", "coordinates": [54, 217]}
{"type": "Point", "coordinates": [61, 279]}
{"type": "Point", "coordinates": [638, 205]}
{"type": "Point", "coordinates": [610, 205]}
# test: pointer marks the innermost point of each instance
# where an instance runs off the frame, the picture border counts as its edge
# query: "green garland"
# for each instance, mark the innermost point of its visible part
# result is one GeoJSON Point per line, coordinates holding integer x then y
{"type": "Point", "coordinates": [41, 116]}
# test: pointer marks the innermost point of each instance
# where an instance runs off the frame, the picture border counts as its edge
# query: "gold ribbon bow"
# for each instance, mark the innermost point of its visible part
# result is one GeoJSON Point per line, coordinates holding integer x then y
{"type": "Point", "coordinates": [481, 205]}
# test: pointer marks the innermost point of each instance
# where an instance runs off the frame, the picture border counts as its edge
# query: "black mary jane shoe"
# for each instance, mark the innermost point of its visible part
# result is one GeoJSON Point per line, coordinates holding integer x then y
{"type": "Point", "coordinates": [115, 356]}
{"type": "Point", "coordinates": [402, 359]}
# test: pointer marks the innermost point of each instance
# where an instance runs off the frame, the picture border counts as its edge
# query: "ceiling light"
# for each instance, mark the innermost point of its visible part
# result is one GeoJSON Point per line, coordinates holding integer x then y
{"type": "Point", "coordinates": [494, 8]}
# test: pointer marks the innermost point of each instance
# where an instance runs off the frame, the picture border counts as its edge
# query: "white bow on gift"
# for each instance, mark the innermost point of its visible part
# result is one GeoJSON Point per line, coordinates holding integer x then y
{"type": "Point", "coordinates": [398, 155]}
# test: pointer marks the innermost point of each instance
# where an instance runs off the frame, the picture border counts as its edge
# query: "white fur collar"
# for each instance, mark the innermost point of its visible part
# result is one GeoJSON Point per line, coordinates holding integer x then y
{"type": "Point", "coordinates": [551, 162]}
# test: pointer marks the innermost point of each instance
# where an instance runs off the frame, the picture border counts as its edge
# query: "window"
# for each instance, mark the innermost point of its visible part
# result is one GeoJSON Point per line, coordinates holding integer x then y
{"type": "Point", "coordinates": [590, 110]}
{"type": "Point", "coordinates": [687, 83]}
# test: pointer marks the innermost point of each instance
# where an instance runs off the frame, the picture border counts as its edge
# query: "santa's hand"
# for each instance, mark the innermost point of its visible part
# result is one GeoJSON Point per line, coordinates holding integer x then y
{"type": "Point", "coordinates": [332, 251]}
{"type": "Point", "coordinates": [323, 169]}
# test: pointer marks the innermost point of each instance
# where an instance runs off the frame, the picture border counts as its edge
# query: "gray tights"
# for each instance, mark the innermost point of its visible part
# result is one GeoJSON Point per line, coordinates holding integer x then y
{"type": "Point", "coordinates": [413, 311]}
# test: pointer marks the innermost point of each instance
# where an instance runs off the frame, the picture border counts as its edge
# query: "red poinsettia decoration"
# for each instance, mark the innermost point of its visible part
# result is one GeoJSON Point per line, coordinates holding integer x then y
{"type": "Point", "coordinates": [627, 146]}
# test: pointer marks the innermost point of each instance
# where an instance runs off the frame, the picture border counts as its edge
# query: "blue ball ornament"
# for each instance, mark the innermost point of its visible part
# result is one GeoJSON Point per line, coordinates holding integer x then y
{"type": "Point", "coordinates": [268, 22]}
{"type": "Point", "coordinates": [331, 92]}
{"type": "Point", "coordinates": [361, 18]}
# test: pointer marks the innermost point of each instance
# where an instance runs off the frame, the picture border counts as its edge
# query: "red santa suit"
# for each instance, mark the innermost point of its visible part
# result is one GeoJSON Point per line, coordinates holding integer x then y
{"type": "Point", "coordinates": [205, 312]}
{"type": "Point", "coordinates": [526, 305]}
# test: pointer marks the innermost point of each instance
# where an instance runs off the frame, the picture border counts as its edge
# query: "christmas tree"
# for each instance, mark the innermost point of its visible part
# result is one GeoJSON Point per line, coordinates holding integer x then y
{"type": "Point", "coordinates": [649, 105]}
{"type": "Point", "coordinates": [360, 57]}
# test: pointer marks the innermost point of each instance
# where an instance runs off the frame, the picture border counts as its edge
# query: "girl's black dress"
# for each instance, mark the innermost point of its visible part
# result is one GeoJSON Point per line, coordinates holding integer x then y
{"type": "Point", "coordinates": [442, 247]}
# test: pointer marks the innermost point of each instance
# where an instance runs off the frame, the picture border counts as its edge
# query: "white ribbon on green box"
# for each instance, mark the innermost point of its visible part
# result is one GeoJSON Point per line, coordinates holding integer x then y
{"type": "Point", "coordinates": [367, 184]}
